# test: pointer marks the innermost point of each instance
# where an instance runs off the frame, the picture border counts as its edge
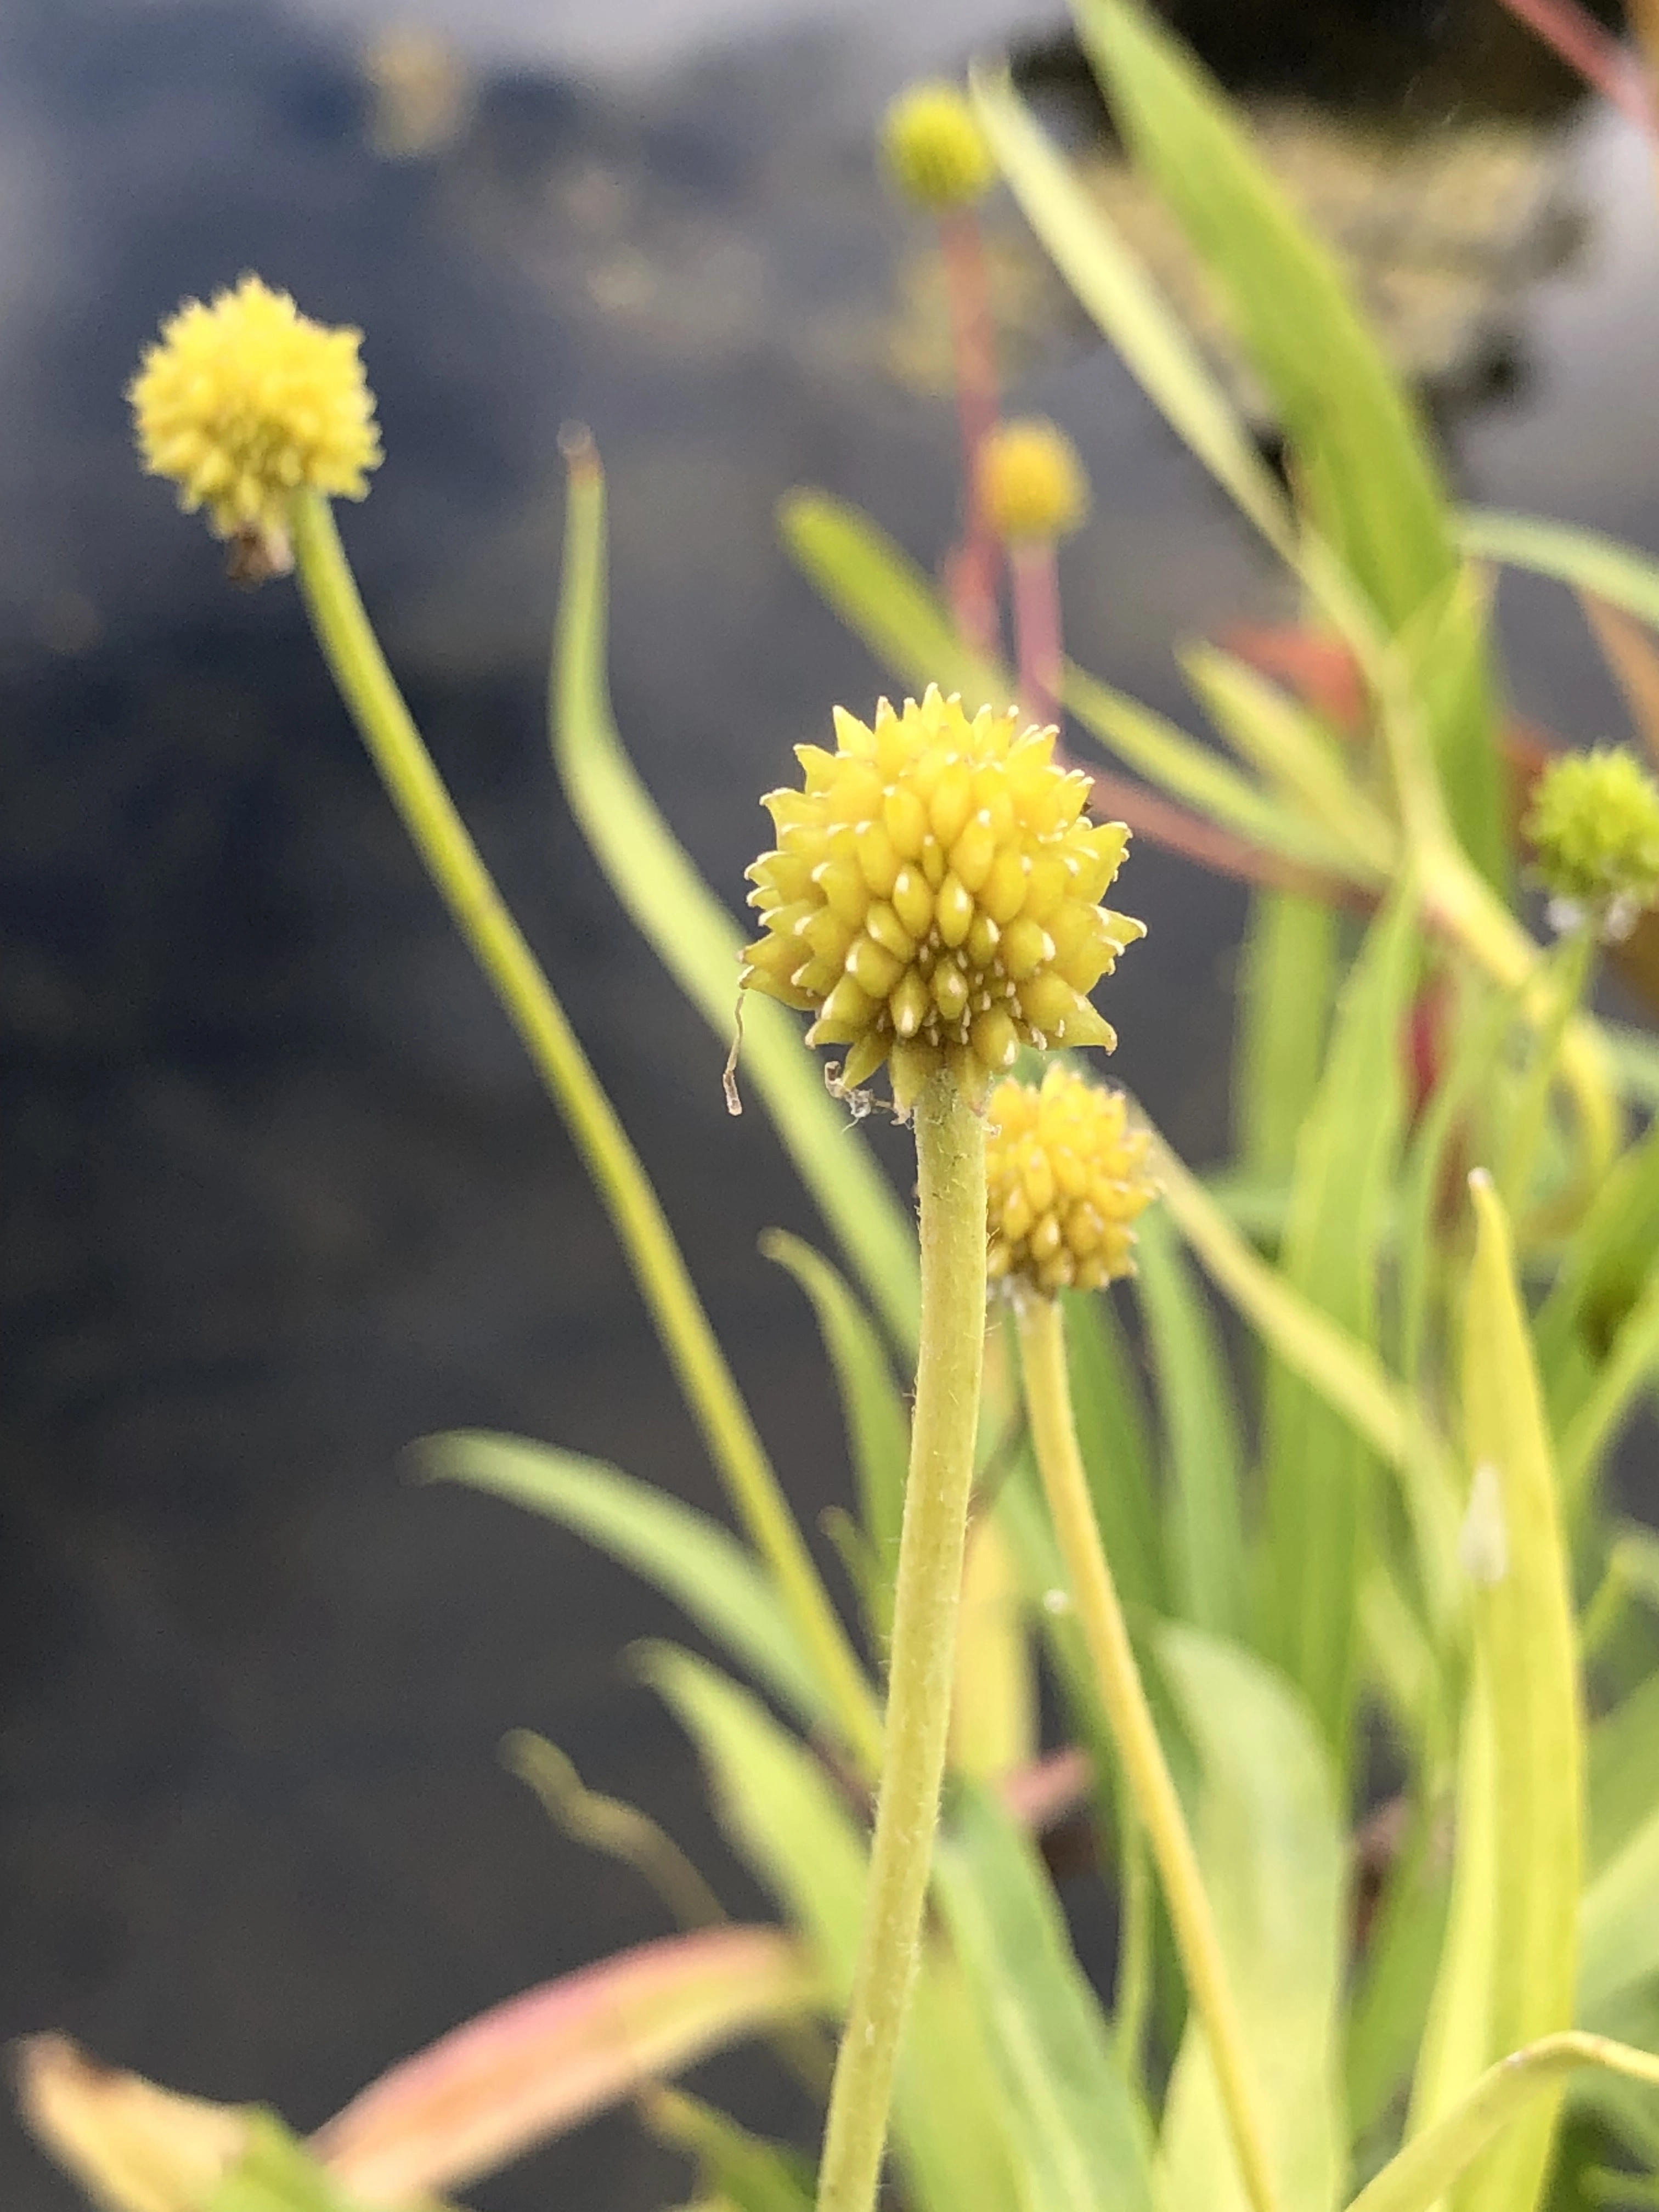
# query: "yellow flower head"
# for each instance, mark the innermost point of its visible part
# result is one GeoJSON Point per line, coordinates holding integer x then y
{"type": "Point", "coordinates": [1594, 827]}
{"type": "Point", "coordinates": [935, 148]}
{"type": "Point", "coordinates": [244, 401]}
{"type": "Point", "coordinates": [933, 898]}
{"type": "Point", "coordinates": [1066, 1177]}
{"type": "Point", "coordinates": [1032, 482]}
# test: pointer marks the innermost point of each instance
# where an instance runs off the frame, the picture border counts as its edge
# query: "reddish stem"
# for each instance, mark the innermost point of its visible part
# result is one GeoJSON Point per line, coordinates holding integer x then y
{"type": "Point", "coordinates": [972, 569]}
{"type": "Point", "coordinates": [1037, 627]}
{"type": "Point", "coordinates": [1603, 62]}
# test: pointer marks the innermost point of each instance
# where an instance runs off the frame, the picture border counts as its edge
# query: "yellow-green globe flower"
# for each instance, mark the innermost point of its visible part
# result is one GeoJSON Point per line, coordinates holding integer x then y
{"type": "Point", "coordinates": [243, 402]}
{"type": "Point", "coordinates": [934, 897]}
{"type": "Point", "coordinates": [1066, 1177]}
{"type": "Point", "coordinates": [1031, 483]}
{"type": "Point", "coordinates": [1594, 828]}
{"type": "Point", "coordinates": [935, 148]}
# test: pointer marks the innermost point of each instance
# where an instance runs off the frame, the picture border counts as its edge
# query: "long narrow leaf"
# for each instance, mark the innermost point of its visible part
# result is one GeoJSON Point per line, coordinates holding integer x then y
{"type": "Point", "coordinates": [696, 939]}
{"type": "Point", "coordinates": [1583, 558]}
{"type": "Point", "coordinates": [1319, 1473]}
{"type": "Point", "coordinates": [1422, 2173]}
{"type": "Point", "coordinates": [1270, 1840]}
{"type": "Point", "coordinates": [1204, 1442]}
{"type": "Point", "coordinates": [1525, 1638]}
{"type": "Point", "coordinates": [1115, 1440]}
{"type": "Point", "coordinates": [786, 1818]}
{"type": "Point", "coordinates": [690, 1557]}
{"type": "Point", "coordinates": [1286, 983]}
{"type": "Point", "coordinates": [1080, 2141]}
{"type": "Point", "coordinates": [539, 2063]}
{"type": "Point", "coordinates": [878, 1427]}
{"type": "Point", "coordinates": [1362, 453]}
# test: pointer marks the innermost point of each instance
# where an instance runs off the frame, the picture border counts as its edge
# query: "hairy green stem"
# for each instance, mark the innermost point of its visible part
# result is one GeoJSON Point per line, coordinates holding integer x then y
{"type": "Point", "coordinates": [1054, 1432]}
{"type": "Point", "coordinates": [453, 861]}
{"type": "Point", "coordinates": [951, 1174]}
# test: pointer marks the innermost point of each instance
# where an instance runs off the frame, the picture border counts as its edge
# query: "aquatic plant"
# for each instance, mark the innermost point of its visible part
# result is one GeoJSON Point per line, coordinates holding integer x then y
{"type": "Point", "coordinates": [1358, 1694]}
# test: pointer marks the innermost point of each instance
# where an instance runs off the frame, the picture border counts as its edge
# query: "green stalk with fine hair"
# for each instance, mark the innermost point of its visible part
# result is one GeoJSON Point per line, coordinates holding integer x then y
{"type": "Point", "coordinates": [951, 1176]}
{"type": "Point", "coordinates": [453, 861]}
{"type": "Point", "coordinates": [1054, 1433]}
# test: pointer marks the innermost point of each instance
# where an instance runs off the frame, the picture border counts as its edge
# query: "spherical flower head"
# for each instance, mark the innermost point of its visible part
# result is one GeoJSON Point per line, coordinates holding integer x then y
{"type": "Point", "coordinates": [1066, 1177]}
{"type": "Point", "coordinates": [934, 897]}
{"type": "Point", "coordinates": [244, 402]}
{"type": "Point", "coordinates": [935, 148]}
{"type": "Point", "coordinates": [1031, 482]}
{"type": "Point", "coordinates": [1594, 827]}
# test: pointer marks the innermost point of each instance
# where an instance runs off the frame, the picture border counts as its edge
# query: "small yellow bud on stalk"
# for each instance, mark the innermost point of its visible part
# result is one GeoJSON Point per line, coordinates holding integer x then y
{"type": "Point", "coordinates": [245, 402]}
{"type": "Point", "coordinates": [1067, 1176]}
{"type": "Point", "coordinates": [1594, 827]}
{"type": "Point", "coordinates": [1031, 482]}
{"type": "Point", "coordinates": [935, 148]}
{"type": "Point", "coordinates": [933, 897]}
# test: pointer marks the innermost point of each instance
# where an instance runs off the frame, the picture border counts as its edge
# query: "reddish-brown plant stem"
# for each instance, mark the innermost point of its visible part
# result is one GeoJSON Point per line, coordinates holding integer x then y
{"type": "Point", "coordinates": [972, 569]}
{"type": "Point", "coordinates": [1604, 62]}
{"type": "Point", "coordinates": [1035, 568]}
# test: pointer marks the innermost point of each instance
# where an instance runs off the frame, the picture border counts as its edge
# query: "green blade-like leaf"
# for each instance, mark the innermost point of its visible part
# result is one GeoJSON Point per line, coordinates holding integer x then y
{"type": "Point", "coordinates": [1362, 455]}
{"type": "Point", "coordinates": [1286, 984]}
{"type": "Point", "coordinates": [1270, 1839]}
{"type": "Point", "coordinates": [1078, 2139]}
{"type": "Point", "coordinates": [1115, 289]}
{"type": "Point", "coordinates": [697, 940]}
{"type": "Point", "coordinates": [878, 1426]}
{"type": "Point", "coordinates": [1288, 748]}
{"type": "Point", "coordinates": [1503, 2097]}
{"type": "Point", "coordinates": [1631, 1365]}
{"type": "Point", "coordinates": [1525, 1641]}
{"type": "Point", "coordinates": [1346, 1374]}
{"type": "Point", "coordinates": [1203, 1442]}
{"type": "Point", "coordinates": [1624, 1774]}
{"type": "Point", "coordinates": [1618, 1927]}
{"type": "Point", "coordinates": [740, 2168]}
{"type": "Point", "coordinates": [1319, 1475]}
{"type": "Point", "coordinates": [1114, 1436]}
{"type": "Point", "coordinates": [690, 1557]}
{"type": "Point", "coordinates": [1620, 574]}
{"type": "Point", "coordinates": [883, 597]}
{"type": "Point", "coordinates": [1396, 1984]}
{"type": "Point", "coordinates": [788, 1820]}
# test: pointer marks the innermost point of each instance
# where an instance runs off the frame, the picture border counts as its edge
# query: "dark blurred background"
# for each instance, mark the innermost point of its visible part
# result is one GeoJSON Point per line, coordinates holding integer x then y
{"type": "Point", "coordinates": [276, 1192]}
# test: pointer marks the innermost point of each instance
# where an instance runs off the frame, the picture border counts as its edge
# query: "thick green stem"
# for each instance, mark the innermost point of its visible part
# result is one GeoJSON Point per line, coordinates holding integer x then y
{"type": "Point", "coordinates": [1054, 1432]}
{"type": "Point", "coordinates": [453, 861]}
{"type": "Point", "coordinates": [950, 1173]}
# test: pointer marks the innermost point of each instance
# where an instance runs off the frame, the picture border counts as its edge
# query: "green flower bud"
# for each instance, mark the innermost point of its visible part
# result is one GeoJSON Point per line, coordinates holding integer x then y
{"type": "Point", "coordinates": [1594, 828]}
{"type": "Point", "coordinates": [1032, 482]}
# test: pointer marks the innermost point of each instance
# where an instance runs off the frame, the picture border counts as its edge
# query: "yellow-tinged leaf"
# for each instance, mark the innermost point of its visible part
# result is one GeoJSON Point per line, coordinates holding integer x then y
{"type": "Point", "coordinates": [1528, 1668]}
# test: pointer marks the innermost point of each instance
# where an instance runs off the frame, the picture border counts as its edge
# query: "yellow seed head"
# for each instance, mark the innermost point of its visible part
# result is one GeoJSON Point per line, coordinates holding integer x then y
{"type": "Point", "coordinates": [934, 897]}
{"type": "Point", "coordinates": [935, 148]}
{"type": "Point", "coordinates": [1032, 482]}
{"type": "Point", "coordinates": [1066, 1177]}
{"type": "Point", "coordinates": [1594, 827]}
{"type": "Point", "coordinates": [244, 401]}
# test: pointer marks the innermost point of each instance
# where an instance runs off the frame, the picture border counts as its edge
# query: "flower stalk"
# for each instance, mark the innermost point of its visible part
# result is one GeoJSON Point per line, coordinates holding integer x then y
{"type": "Point", "coordinates": [1054, 1432]}
{"type": "Point", "coordinates": [453, 861]}
{"type": "Point", "coordinates": [951, 1174]}
{"type": "Point", "coordinates": [974, 565]}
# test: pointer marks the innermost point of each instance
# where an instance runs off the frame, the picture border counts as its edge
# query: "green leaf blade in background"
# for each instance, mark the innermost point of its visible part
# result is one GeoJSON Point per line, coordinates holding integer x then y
{"type": "Point", "coordinates": [692, 1559]}
{"type": "Point", "coordinates": [1114, 1436]}
{"type": "Point", "coordinates": [1526, 1641]}
{"type": "Point", "coordinates": [698, 941]}
{"type": "Point", "coordinates": [1287, 981]}
{"type": "Point", "coordinates": [1272, 1843]}
{"type": "Point", "coordinates": [787, 1820]}
{"type": "Point", "coordinates": [1319, 1475]}
{"type": "Point", "coordinates": [1203, 1450]}
{"type": "Point", "coordinates": [1621, 575]}
{"type": "Point", "coordinates": [1361, 452]}
{"type": "Point", "coordinates": [1080, 2141]}
{"type": "Point", "coordinates": [877, 1426]}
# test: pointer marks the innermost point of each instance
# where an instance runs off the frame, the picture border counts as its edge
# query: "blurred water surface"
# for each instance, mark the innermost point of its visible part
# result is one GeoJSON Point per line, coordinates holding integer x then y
{"type": "Point", "coordinates": [277, 1194]}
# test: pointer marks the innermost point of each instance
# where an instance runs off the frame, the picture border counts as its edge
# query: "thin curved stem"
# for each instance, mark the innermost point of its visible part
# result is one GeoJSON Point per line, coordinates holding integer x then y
{"type": "Point", "coordinates": [1054, 1432]}
{"type": "Point", "coordinates": [950, 1173]}
{"type": "Point", "coordinates": [453, 861]}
